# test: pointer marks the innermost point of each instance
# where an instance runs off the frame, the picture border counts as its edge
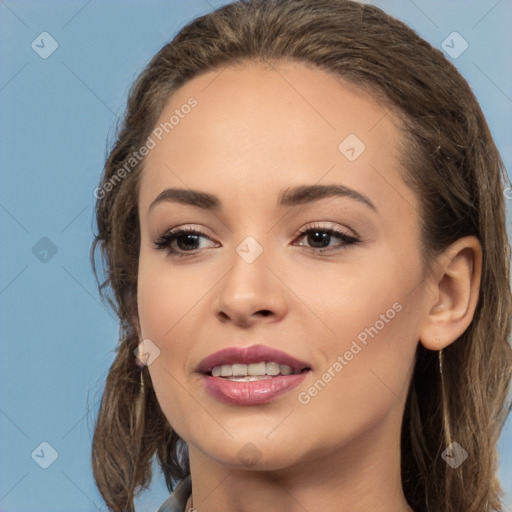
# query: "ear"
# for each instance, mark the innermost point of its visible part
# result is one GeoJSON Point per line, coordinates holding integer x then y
{"type": "Point", "coordinates": [455, 286]}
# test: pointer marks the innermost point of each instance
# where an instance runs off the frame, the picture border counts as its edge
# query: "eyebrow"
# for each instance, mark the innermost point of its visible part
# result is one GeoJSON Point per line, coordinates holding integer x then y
{"type": "Point", "coordinates": [290, 197]}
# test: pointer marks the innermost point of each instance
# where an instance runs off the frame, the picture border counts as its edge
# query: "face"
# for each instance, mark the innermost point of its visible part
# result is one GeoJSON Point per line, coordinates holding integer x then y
{"type": "Point", "coordinates": [333, 279]}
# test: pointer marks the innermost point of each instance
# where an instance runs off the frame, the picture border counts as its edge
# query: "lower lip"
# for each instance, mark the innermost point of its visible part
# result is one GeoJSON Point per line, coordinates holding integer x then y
{"type": "Point", "coordinates": [251, 393]}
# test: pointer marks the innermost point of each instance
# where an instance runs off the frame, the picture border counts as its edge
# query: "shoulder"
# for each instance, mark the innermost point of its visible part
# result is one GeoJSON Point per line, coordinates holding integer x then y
{"type": "Point", "coordinates": [177, 500]}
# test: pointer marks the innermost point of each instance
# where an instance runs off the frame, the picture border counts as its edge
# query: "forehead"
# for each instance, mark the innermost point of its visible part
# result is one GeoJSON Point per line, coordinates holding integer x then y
{"type": "Point", "coordinates": [257, 127]}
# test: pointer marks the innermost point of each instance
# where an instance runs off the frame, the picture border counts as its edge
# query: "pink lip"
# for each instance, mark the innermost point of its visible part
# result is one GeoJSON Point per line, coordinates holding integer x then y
{"type": "Point", "coordinates": [251, 393]}
{"type": "Point", "coordinates": [248, 355]}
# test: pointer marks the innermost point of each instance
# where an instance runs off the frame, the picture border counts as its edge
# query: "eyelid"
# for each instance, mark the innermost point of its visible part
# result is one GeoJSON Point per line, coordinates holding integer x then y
{"type": "Point", "coordinates": [350, 233]}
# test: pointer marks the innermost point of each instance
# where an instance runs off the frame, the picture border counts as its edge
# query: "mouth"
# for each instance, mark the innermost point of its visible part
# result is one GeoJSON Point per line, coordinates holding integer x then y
{"type": "Point", "coordinates": [251, 375]}
{"type": "Point", "coordinates": [252, 361]}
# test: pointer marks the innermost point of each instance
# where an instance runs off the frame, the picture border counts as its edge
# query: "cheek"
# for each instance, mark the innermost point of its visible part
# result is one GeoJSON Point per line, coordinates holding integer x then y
{"type": "Point", "coordinates": [365, 376]}
{"type": "Point", "coordinates": [168, 293]}
{"type": "Point", "coordinates": [368, 353]}
{"type": "Point", "coordinates": [351, 296]}
{"type": "Point", "coordinates": [169, 299]}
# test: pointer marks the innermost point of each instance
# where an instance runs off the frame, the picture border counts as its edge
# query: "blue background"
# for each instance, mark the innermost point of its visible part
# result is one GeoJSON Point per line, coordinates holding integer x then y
{"type": "Point", "coordinates": [57, 116]}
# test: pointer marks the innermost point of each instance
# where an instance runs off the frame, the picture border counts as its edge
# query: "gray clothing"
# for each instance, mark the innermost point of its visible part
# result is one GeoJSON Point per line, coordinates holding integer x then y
{"type": "Point", "coordinates": [177, 500]}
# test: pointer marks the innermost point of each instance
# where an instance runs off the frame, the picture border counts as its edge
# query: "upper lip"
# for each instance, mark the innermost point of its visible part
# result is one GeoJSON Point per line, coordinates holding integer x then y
{"type": "Point", "coordinates": [248, 355]}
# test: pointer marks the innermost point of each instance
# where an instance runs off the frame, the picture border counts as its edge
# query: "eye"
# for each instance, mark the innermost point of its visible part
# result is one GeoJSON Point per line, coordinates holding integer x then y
{"type": "Point", "coordinates": [182, 242]}
{"type": "Point", "coordinates": [187, 240]}
{"type": "Point", "coordinates": [320, 238]}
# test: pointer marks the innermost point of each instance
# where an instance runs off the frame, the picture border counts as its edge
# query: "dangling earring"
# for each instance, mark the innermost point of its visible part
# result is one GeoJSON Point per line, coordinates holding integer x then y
{"type": "Point", "coordinates": [140, 404]}
{"type": "Point", "coordinates": [141, 388]}
{"type": "Point", "coordinates": [444, 394]}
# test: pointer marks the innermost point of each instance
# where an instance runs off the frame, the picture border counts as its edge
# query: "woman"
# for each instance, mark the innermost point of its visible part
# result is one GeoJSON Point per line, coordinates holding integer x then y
{"type": "Point", "coordinates": [303, 227]}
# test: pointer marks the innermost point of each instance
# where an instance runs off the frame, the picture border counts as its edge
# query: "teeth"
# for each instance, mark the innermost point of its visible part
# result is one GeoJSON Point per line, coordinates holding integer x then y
{"type": "Point", "coordinates": [285, 370]}
{"type": "Point", "coordinates": [272, 369]}
{"type": "Point", "coordinates": [256, 368]}
{"type": "Point", "coordinates": [239, 371]}
{"type": "Point", "coordinates": [226, 370]}
{"type": "Point", "coordinates": [249, 378]}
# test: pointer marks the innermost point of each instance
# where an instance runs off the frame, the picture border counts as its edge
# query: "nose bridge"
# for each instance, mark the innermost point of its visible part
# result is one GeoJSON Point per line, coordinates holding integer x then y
{"type": "Point", "coordinates": [249, 288]}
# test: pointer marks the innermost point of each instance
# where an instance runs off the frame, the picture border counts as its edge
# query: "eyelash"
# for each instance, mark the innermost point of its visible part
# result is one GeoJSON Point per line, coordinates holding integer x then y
{"type": "Point", "coordinates": [164, 242]}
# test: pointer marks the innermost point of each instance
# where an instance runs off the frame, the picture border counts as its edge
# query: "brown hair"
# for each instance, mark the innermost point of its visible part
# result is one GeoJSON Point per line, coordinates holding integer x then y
{"type": "Point", "coordinates": [450, 161]}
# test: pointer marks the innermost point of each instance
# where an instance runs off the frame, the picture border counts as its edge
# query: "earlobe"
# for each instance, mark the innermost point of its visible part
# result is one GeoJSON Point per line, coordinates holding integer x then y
{"type": "Point", "coordinates": [456, 286]}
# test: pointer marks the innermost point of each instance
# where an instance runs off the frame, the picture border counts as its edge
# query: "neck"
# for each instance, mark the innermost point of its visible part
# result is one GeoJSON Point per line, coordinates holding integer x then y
{"type": "Point", "coordinates": [363, 474]}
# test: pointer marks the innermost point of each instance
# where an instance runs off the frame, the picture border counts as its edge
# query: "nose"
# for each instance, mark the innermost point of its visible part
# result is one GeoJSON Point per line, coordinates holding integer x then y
{"type": "Point", "coordinates": [250, 293]}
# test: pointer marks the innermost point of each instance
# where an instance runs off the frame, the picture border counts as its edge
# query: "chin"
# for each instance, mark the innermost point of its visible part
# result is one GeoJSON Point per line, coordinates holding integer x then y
{"type": "Point", "coordinates": [251, 458]}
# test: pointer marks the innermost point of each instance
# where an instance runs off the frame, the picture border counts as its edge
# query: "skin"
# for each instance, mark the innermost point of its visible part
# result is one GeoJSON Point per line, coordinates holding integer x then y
{"type": "Point", "coordinates": [256, 131]}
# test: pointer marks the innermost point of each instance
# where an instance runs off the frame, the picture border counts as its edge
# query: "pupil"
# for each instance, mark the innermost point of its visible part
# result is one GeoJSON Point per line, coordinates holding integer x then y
{"type": "Point", "coordinates": [324, 238]}
{"type": "Point", "coordinates": [185, 246]}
